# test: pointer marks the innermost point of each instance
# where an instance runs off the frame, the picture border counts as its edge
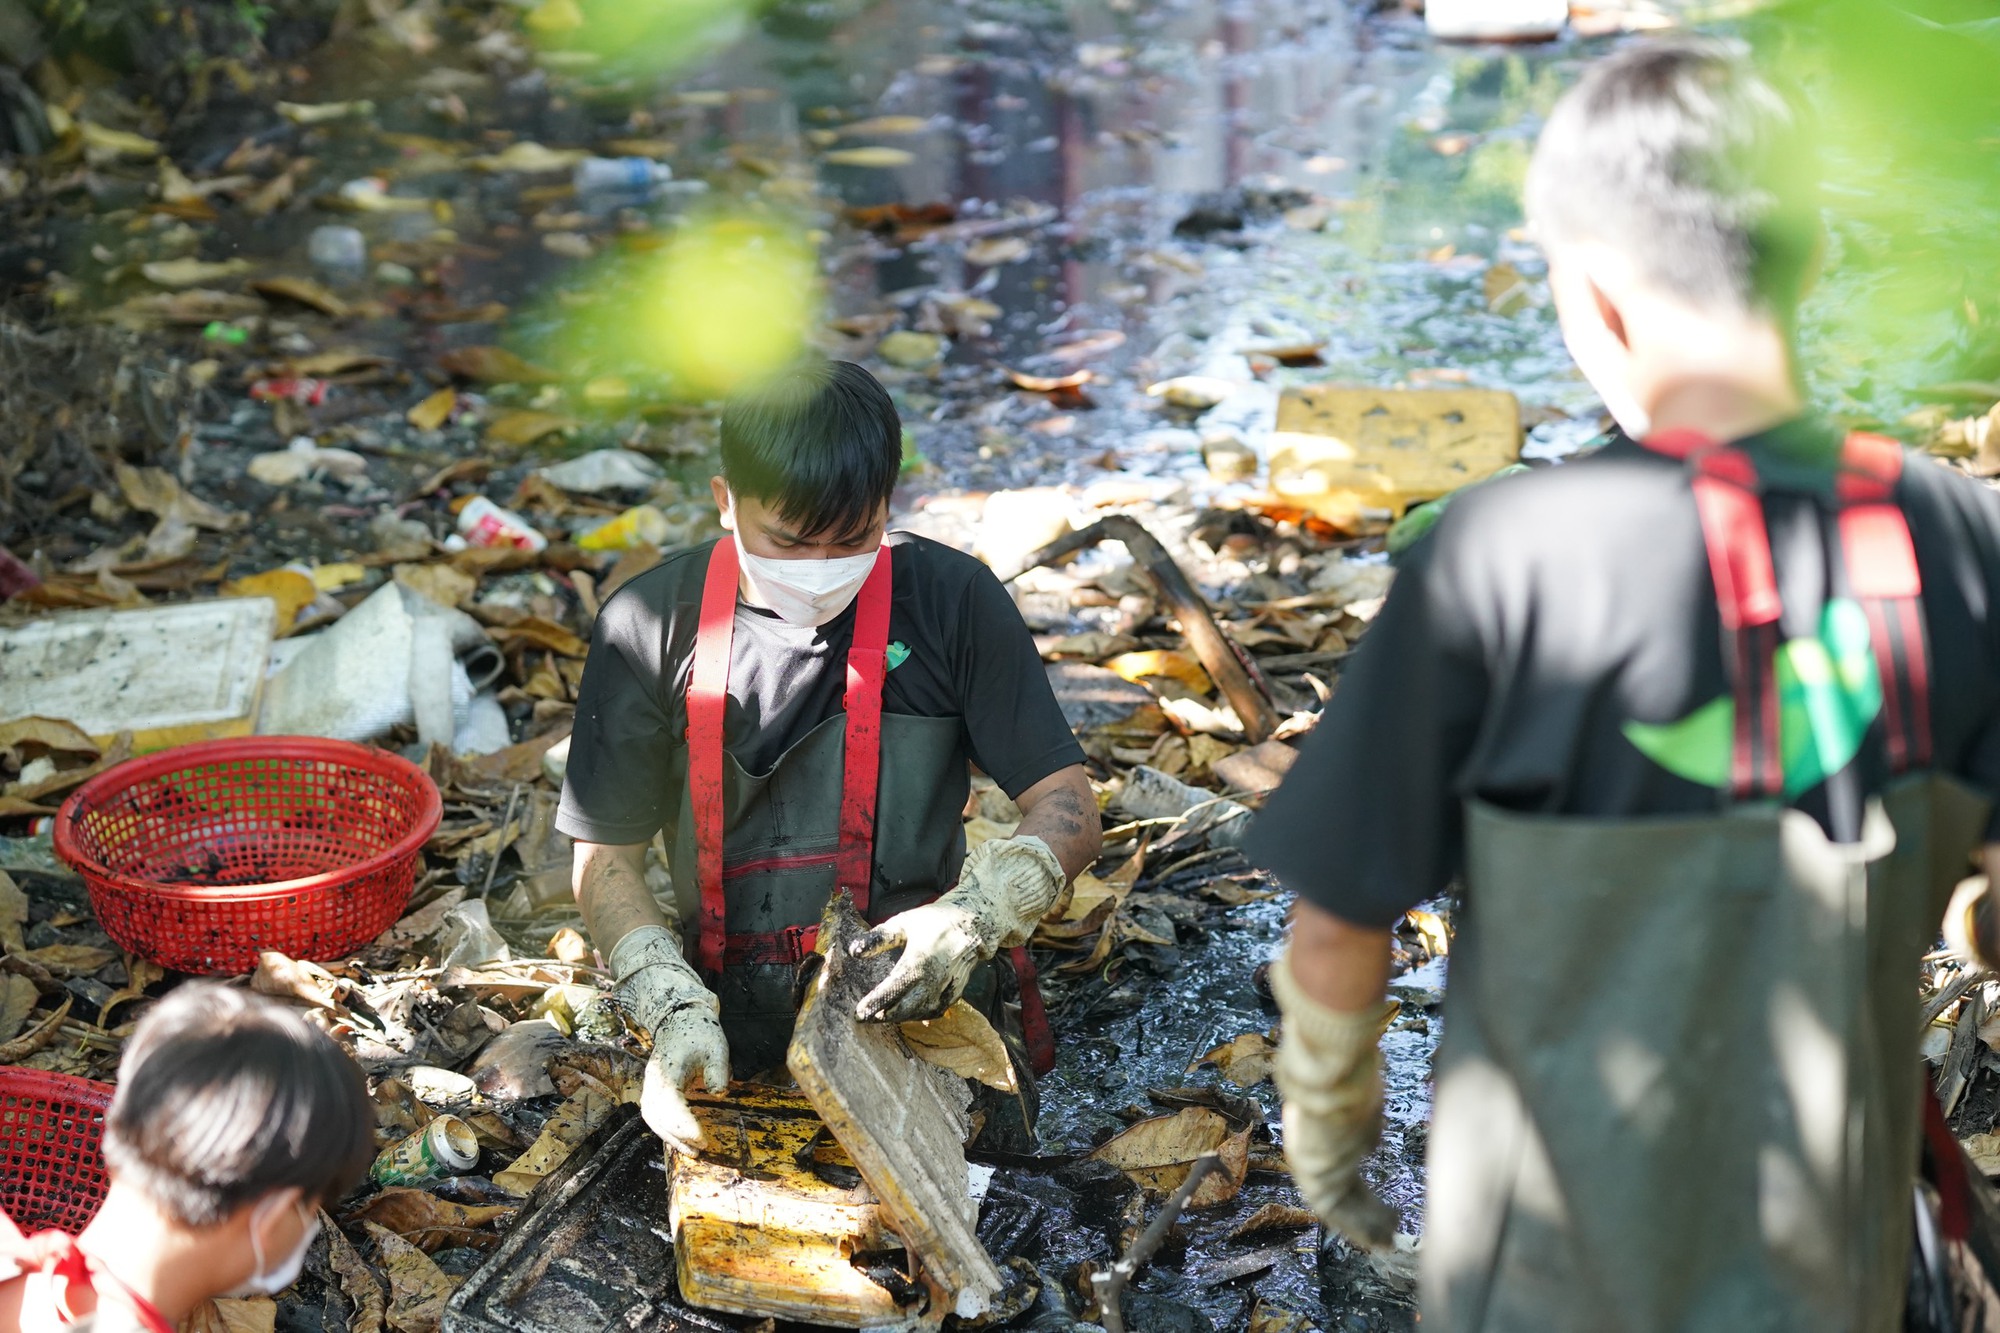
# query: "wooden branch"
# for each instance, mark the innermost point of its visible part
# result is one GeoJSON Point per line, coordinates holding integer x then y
{"type": "Point", "coordinates": [1110, 1284]}
{"type": "Point", "coordinates": [1234, 673]}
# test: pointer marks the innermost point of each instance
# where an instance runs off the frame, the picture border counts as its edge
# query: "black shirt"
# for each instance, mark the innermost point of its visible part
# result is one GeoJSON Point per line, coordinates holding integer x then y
{"type": "Point", "coordinates": [957, 648]}
{"type": "Point", "coordinates": [1547, 648]}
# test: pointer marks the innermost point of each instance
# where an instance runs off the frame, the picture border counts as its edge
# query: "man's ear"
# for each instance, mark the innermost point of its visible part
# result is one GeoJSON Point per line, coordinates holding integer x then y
{"type": "Point", "coordinates": [724, 502]}
{"type": "Point", "coordinates": [1607, 309]}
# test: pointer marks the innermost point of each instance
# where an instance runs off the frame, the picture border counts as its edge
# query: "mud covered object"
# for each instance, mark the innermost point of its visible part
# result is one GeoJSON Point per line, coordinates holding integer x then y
{"type": "Point", "coordinates": [773, 1219]}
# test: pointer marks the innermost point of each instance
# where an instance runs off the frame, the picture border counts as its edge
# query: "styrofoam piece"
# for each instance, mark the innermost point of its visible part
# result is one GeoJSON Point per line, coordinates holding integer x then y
{"type": "Point", "coordinates": [167, 674]}
{"type": "Point", "coordinates": [1495, 20]}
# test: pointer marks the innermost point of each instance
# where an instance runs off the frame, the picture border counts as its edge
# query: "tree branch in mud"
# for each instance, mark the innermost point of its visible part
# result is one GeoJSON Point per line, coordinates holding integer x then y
{"type": "Point", "coordinates": [1238, 679]}
{"type": "Point", "coordinates": [1110, 1284]}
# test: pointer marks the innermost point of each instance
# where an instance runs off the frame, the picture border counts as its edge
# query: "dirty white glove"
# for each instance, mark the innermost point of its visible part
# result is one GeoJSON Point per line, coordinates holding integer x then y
{"type": "Point", "coordinates": [1329, 1073]}
{"type": "Point", "coordinates": [1969, 924]}
{"type": "Point", "coordinates": [1007, 886]}
{"type": "Point", "coordinates": [668, 998]}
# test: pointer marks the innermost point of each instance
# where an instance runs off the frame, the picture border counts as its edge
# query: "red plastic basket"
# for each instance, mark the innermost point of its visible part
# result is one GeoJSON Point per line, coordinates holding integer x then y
{"type": "Point", "coordinates": [202, 856]}
{"type": "Point", "coordinates": [51, 1149]}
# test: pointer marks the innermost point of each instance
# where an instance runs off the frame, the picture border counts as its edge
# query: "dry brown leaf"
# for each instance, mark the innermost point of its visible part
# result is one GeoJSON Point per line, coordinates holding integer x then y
{"type": "Point", "coordinates": [1272, 1319]}
{"type": "Point", "coordinates": [13, 914]}
{"type": "Point", "coordinates": [17, 1000]}
{"type": "Point", "coordinates": [294, 979]}
{"type": "Point", "coordinates": [1168, 662]}
{"type": "Point", "coordinates": [36, 1037]}
{"type": "Point", "coordinates": [418, 1288]}
{"type": "Point", "coordinates": [1275, 1217]}
{"type": "Point", "coordinates": [154, 491]}
{"type": "Point", "coordinates": [443, 584]}
{"type": "Point", "coordinates": [1050, 383]}
{"type": "Point", "coordinates": [421, 924]}
{"type": "Point", "coordinates": [486, 364]}
{"type": "Point", "coordinates": [433, 411]}
{"type": "Point", "coordinates": [292, 591]}
{"type": "Point", "coordinates": [225, 1314]}
{"type": "Point", "coordinates": [1246, 1061]}
{"type": "Point", "coordinates": [519, 427]}
{"type": "Point", "coordinates": [871, 156]}
{"type": "Point", "coordinates": [192, 272]}
{"type": "Point", "coordinates": [365, 1290]}
{"type": "Point", "coordinates": [69, 960]}
{"type": "Point", "coordinates": [569, 1126]}
{"type": "Point", "coordinates": [47, 735]}
{"type": "Point", "coordinates": [1158, 1153]}
{"type": "Point", "coordinates": [569, 945]}
{"type": "Point", "coordinates": [305, 292]}
{"type": "Point", "coordinates": [535, 632]}
{"type": "Point", "coordinates": [1984, 1150]}
{"type": "Point", "coordinates": [611, 1074]}
{"type": "Point", "coordinates": [431, 1223]}
{"type": "Point", "coordinates": [964, 1042]}
{"type": "Point", "coordinates": [1431, 929]}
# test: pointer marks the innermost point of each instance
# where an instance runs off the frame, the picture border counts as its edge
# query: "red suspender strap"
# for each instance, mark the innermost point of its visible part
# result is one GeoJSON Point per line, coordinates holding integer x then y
{"type": "Point", "coordinates": [1039, 1037]}
{"type": "Point", "coordinates": [707, 700]}
{"type": "Point", "coordinates": [1882, 574]}
{"type": "Point", "coordinates": [867, 662]}
{"type": "Point", "coordinates": [56, 1254]}
{"type": "Point", "coordinates": [1746, 589]}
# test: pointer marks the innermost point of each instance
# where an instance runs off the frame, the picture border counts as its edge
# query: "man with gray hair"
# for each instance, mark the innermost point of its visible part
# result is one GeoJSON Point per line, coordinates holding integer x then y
{"type": "Point", "coordinates": [1708, 726]}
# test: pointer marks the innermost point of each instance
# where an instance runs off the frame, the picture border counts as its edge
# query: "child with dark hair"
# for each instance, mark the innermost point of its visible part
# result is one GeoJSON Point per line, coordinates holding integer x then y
{"type": "Point", "coordinates": [234, 1122]}
{"type": "Point", "coordinates": [1706, 725]}
{"type": "Point", "coordinates": [797, 706]}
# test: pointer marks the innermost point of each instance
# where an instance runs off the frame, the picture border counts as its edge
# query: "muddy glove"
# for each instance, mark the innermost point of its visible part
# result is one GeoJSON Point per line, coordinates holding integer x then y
{"type": "Point", "coordinates": [1329, 1073]}
{"type": "Point", "coordinates": [1971, 922]}
{"type": "Point", "coordinates": [1007, 886]}
{"type": "Point", "coordinates": [666, 996]}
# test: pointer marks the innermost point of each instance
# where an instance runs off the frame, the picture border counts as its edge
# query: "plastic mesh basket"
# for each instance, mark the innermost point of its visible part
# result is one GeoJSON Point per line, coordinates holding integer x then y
{"type": "Point", "coordinates": [51, 1149]}
{"type": "Point", "coordinates": [201, 857]}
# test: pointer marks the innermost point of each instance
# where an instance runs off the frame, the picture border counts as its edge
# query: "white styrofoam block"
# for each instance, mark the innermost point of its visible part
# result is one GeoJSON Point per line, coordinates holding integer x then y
{"type": "Point", "coordinates": [153, 669]}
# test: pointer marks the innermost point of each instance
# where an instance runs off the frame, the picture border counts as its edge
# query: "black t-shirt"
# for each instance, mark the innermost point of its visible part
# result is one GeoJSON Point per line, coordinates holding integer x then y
{"type": "Point", "coordinates": [957, 648]}
{"type": "Point", "coordinates": [1551, 647]}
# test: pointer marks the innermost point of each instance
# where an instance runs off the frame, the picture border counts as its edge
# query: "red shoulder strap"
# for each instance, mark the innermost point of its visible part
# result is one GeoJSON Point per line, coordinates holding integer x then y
{"type": "Point", "coordinates": [867, 663]}
{"type": "Point", "coordinates": [57, 1254]}
{"type": "Point", "coordinates": [1746, 588]}
{"type": "Point", "coordinates": [707, 701]}
{"type": "Point", "coordinates": [1882, 574]}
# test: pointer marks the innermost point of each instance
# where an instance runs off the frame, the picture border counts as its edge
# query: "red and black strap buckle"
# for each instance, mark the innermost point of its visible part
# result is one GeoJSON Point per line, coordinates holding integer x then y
{"type": "Point", "coordinates": [788, 947]}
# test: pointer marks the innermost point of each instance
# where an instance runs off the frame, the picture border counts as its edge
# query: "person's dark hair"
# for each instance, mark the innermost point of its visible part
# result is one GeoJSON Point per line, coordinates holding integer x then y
{"type": "Point", "coordinates": [1680, 155]}
{"type": "Point", "coordinates": [820, 443]}
{"type": "Point", "coordinates": [224, 1097]}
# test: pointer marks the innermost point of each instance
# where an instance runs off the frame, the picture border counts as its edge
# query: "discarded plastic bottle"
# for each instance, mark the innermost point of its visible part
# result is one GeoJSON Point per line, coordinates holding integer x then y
{"type": "Point", "coordinates": [340, 252]}
{"type": "Point", "coordinates": [621, 175]}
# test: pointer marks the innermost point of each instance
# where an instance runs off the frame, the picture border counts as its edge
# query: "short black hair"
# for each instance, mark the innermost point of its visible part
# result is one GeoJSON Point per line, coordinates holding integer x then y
{"type": "Point", "coordinates": [1681, 155]}
{"type": "Point", "coordinates": [225, 1097]}
{"type": "Point", "coordinates": [820, 443]}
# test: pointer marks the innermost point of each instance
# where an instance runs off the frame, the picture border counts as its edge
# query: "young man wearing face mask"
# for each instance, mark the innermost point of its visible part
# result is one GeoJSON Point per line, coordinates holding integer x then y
{"type": "Point", "coordinates": [234, 1123]}
{"type": "Point", "coordinates": [797, 706]}
{"type": "Point", "coordinates": [1707, 724]}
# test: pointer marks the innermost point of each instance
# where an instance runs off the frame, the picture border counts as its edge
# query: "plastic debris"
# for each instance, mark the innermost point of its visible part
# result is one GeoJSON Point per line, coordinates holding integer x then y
{"type": "Point", "coordinates": [306, 392]}
{"type": "Point", "coordinates": [604, 470]}
{"type": "Point", "coordinates": [483, 523]}
{"type": "Point", "coordinates": [641, 525]}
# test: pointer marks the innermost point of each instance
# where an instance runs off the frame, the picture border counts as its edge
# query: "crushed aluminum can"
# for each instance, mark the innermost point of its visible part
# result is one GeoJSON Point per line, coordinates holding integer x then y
{"type": "Point", "coordinates": [446, 1146]}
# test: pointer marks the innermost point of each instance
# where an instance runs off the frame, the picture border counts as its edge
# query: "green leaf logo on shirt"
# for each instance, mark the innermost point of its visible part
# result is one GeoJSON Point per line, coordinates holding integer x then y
{"type": "Point", "coordinates": [1828, 693]}
{"type": "Point", "coordinates": [899, 653]}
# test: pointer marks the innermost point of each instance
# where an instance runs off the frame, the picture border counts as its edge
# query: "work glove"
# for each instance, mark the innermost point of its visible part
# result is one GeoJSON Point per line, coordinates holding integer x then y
{"type": "Point", "coordinates": [1329, 1073]}
{"type": "Point", "coordinates": [667, 997]}
{"type": "Point", "coordinates": [1007, 886]}
{"type": "Point", "coordinates": [1970, 923]}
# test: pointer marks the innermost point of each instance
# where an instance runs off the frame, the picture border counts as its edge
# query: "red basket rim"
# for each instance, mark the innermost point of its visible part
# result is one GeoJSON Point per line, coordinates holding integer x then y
{"type": "Point", "coordinates": [381, 762]}
{"type": "Point", "coordinates": [52, 1086]}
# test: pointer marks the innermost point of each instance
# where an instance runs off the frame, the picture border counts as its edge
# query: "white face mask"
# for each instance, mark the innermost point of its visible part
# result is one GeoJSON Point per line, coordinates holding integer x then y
{"type": "Point", "coordinates": [261, 1283]}
{"type": "Point", "coordinates": [806, 592]}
